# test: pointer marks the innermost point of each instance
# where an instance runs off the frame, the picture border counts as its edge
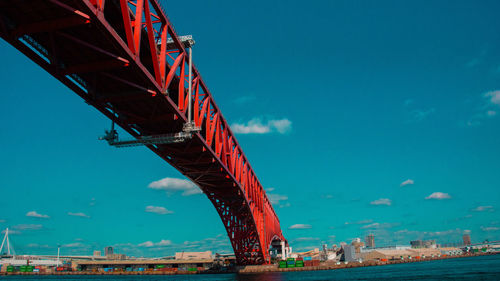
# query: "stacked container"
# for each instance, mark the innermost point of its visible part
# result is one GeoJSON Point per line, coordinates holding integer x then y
{"type": "Point", "coordinates": [290, 262]}
{"type": "Point", "coordinates": [282, 264]}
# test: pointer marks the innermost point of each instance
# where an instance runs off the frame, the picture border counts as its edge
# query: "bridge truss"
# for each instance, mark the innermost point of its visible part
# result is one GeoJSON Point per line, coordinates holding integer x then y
{"type": "Point", "coordinates": [124, 58]}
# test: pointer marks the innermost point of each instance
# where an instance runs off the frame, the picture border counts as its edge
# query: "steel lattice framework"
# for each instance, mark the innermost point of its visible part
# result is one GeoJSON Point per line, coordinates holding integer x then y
{"type": "Point", "coordinates": [125, 59]}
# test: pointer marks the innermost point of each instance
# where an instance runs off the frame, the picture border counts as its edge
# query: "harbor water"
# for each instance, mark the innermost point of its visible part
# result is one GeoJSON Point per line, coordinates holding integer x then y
{"type": "Point", "coordinates": [470, 268]}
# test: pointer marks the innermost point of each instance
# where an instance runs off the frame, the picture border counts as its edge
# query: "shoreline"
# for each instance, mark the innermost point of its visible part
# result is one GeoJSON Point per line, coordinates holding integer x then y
{"type": "Point", "coordinates": [255, 269]}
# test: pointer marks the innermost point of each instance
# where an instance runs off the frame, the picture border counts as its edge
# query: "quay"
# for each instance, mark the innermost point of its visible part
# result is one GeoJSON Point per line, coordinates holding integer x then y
{"type": "Point", "coordinates": [253, 269]}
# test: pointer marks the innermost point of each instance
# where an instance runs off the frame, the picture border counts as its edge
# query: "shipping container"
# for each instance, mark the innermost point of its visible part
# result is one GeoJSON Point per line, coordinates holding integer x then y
{"type": "Point", "coordinates": [307, 258]}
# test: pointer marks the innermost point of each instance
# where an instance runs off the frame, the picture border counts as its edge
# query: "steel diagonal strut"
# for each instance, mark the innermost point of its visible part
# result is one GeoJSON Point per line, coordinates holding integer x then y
{"type": "Point", "coordinates": [124, 58]}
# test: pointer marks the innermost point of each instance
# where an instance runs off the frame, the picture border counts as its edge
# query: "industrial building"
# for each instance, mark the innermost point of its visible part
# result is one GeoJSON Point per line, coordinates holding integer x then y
{"type": "Point", "coordinates": [370, 241]}
{"type": "Point", "coordinates": [191, 261]}
{"type": "Point", "coordinates": [466, 238]}
{"type": "Point", "coordinates": [423, 244]}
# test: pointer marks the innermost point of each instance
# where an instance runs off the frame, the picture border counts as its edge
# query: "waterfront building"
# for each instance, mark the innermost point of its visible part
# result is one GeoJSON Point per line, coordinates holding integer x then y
{"type": "Point", "coordinates": [349, 253]}
{"type": "Point", "coordinates": [194, 255]}
{"type": "Point", "coordinates": [358, 245]}
{"type": "Point", "coordinates": [388, 254]}
{"type": "Point", "coordinates": [143, 265]}
{"type": "Point", "coordinates": [423, 244]}
{"type": "Point", "coordinates": [466, 239]}
{"type": "Point", "coordinates": [108, 251]}
{"type": "Point", "coordinates": [451, 251]}
{"type": "Point", "coordinates": [370, 241]}
{"type": "Point", "coordinates": [97, 253]}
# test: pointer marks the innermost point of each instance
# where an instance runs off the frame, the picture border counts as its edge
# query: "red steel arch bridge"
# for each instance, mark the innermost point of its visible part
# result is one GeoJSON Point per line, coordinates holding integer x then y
{"type": "Point", "coordinates": [124, 58]}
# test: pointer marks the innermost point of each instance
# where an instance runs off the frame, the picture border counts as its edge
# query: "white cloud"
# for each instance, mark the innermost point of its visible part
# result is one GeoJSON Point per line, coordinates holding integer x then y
{"type": "Point", "coordinates": [493, 97]}
{"type": "Point", "coordinates": [407, 182]}
{"type": "Point", "coordinates": [256, 126]}
{"type": "Point", "coordinates": [438, 196]}
{"type": "Point", "coordinates": [359, 222]}
{"type": "Point", "coordinates": [282, 126]}
{"type": "Point", "coordinates": [300, 226]}
{"type": "Point", "coordinates": [34, 214]}
{"type": "Point", "coordinates": [35, 245]}
{"type": "Point", "coordinates": [278, 200]}
{"type": "Point", "coordinates": [158, 210]}
{"type": "Point", "coordinates": [2, 221]}
{"type": "Point", "coordinates": [483, 209]}
{"type": "Point", "coordinates": [149, 244]}
{"type": "Point", "coordinates": [27, 227]}
{"type": "Point", "coordinates": [491, 113]}
{"type": "Point", "coordinates": [74, 245]}
{"type": "Point", "coordinates": [270, 189]}
{"type": "Point", "coordinates": [489, 228]}
{"type": "Point", "coordinates": [302, 239]}
{"type": "Point", "coordinates": [13, 232]}
{"type": "Point", "coordinates": [382, 201]}
{"type": "Point", "coordinates": [245, 99]}
{"type": "Point", "coordinates": [175, 184]}
{"type": "Point", "coordinates": [79, 214]}
{"type": "Point", "coordinates": [146, 244]}
{"type": "Point", "coordinates": [377, 225]}
{"type": "Point", "coordinates": [164, 243]}
{"type": "Point", "coordinates": [419, 115]}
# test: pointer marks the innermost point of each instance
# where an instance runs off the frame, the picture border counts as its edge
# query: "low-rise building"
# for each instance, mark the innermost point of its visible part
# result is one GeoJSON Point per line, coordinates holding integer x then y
{"type": "Point", "coordinates": [387, 254]}
{"type": "Point", "coordinates": [451, 251]}
{"type": "Point", "coordinates": [194, 255]}
{"type": "Point", "coordinates": [426, 252]}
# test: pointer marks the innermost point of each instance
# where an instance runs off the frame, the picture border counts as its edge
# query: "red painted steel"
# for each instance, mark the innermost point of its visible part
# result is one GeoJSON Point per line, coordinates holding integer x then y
{"type": "Point", "coordinates": [114, 54]}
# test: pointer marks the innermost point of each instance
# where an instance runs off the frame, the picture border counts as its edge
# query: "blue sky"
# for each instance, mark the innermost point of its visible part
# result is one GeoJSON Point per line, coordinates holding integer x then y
{"type": "Point", "coordinates": [358, 117]}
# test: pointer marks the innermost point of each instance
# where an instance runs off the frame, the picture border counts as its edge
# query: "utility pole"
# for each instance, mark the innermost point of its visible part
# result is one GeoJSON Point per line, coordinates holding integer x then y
{"type": "Point", "coordinates": [58, 252]}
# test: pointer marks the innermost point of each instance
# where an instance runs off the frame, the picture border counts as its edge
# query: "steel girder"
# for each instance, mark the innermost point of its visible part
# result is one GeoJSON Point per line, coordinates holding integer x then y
{"type": "Point", "coordinates": [114, 54]}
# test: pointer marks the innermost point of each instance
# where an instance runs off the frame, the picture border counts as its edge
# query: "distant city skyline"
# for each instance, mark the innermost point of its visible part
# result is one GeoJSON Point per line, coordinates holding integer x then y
{"type": "Point", "coordinates": [358, 117]}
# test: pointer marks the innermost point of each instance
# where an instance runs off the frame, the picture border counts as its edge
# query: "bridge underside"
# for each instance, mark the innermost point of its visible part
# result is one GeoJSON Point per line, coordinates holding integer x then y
{"type": "Point", "coordinates": [86, 45]}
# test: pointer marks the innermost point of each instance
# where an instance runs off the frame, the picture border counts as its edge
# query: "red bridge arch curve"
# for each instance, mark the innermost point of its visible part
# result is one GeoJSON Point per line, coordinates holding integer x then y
{"type": "Point", "coordinates": [125, 59]}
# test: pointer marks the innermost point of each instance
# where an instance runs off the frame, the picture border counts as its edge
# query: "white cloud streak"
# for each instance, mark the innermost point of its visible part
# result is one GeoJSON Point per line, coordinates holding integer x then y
{"type": "Point", "coordinates": [149, 244]}
{"type": "Point", "coordinates": [27, 227]}
{"type": "Point", "coordinates": [34, 214]}
{"type": "Point", "coordinates": [438, 196]}
{"type": "Point", "coordinates": [483, 209]}
{"type": "Point", "coordinates": [359, 222]}
{"type": "Point", "coordinates": [303, 239]}
{"type": "Point", "coordinates": [78, 214]}
{"type": "Point", "coordinates": [493, 97]}
{"type": "Point", "coordinates": [158, 210]}
{"type": "Point", "coordinates": [382, 201]}
{"type": "Point", "coordinates": [377, 225]}
{"type": "Point", "coordinates": [174, 184]}
{"type": "Point", "coordinates": [407, 182]}
{"type": "Point", "coordinates": [300, 226]}
{"type": "Point", "coordinates": [256, 126]}
{"type": "Point", "coordinates": [75, 245]}
{"type": "Point", "coordinates": [490, 228]}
